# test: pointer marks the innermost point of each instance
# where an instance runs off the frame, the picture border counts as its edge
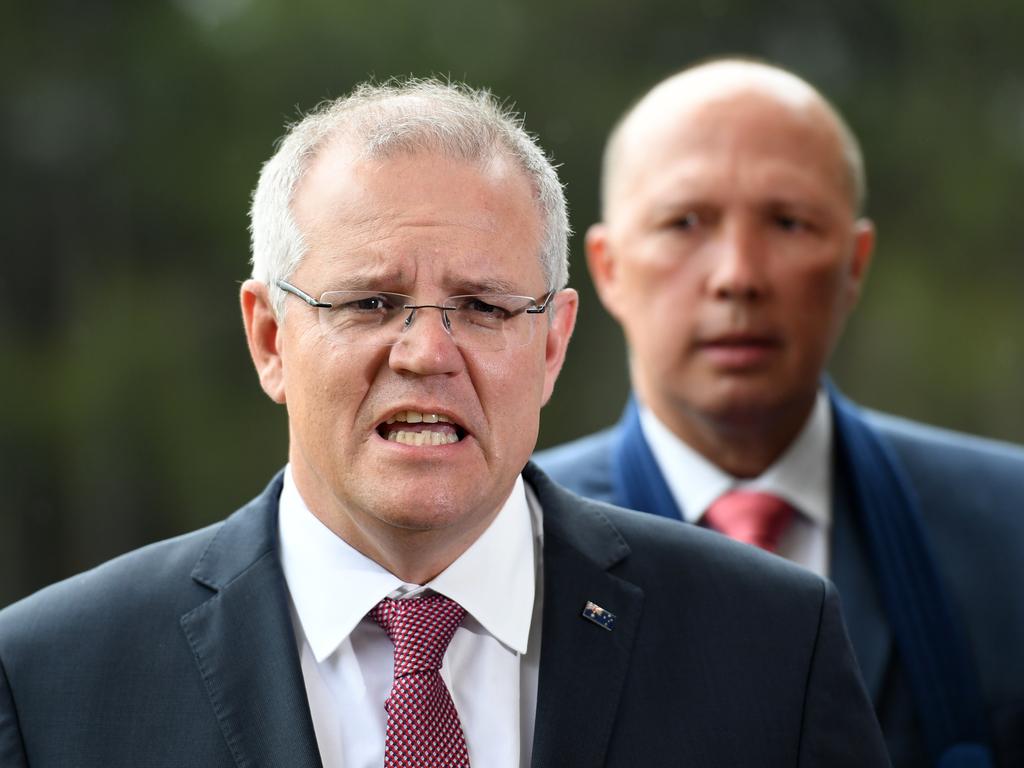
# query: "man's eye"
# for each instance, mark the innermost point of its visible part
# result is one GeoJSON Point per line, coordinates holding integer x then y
{"type": "Point", "coordinates": [479, 306]}
{"type": "Point", "coordinates": [791, 223]}
{"type": "Point", "coordinates": [688, 221]}
{"type": "Point", "coordinates": [368, 304]}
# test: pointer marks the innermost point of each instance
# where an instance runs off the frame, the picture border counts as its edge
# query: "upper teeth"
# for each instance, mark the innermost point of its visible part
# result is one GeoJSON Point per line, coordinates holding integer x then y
{"type": "Point", "coordinates": [415, 417]}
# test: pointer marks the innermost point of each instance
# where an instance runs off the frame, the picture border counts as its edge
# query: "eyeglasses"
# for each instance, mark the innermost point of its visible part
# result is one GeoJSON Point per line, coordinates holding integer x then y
{"type": "Point", "coordinates": [487, 321]}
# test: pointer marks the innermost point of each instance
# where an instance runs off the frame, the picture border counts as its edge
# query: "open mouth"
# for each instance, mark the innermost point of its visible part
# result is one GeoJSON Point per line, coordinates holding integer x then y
{"type": "Point", "coordinates": [417, 428]}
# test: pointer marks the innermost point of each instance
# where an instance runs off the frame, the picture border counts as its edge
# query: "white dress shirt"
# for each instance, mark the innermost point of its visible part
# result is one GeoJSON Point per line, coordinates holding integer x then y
{"type": "Point", "coordinates": [802, 475]}
{"type": "Point", "coordinates": [490, 668]}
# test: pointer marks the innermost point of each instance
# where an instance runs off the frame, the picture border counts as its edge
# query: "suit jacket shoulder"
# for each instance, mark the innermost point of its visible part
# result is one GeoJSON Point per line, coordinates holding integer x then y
{"type": "Point", "coordinates": [970, 492]}
{"type": "Point", "coordinates": [584, 466]}
{"type": "Point", "coordinates": [88, 660]}
{"type": "Point", "coordinates": [140, 579]}
{"type": "Point", "coordinates": [977, 471]}
{"type": "Point", "coordinates": [170, 655]}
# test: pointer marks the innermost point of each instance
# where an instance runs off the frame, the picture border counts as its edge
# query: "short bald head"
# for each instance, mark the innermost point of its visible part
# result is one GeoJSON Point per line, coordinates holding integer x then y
{"type": "Point", "coordinates": [707, 86]}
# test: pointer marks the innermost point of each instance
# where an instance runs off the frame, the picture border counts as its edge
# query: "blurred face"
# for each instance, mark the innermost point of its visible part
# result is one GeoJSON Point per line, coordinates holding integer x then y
{"type": "Point", "coordinates": [429, 227]}
{"type": "Point", "coordinates": [731, 257]}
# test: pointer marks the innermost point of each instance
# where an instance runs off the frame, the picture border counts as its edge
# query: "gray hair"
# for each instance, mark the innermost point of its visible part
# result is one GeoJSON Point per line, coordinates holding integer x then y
{"type": "Point", "coordinates": [390, 118]}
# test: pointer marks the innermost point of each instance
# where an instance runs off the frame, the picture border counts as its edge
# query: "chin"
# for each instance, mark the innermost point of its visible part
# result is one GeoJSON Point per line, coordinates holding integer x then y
{"type": "Point", "coordinates": [750, 401]}
{"type": "Point", "coordinates": [419, 511]}
{"type": "Point", "coordinates": [723, 395]}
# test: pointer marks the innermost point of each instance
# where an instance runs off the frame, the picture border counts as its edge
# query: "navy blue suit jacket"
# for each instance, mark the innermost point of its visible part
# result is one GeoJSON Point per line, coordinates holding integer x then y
{"type": "Point", "coordinates": [183, 654]}
{"type": "Point", "coordinates": [971, 496]}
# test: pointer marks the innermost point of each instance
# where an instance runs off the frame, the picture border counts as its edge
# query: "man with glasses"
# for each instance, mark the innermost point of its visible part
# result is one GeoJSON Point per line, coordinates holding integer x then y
{"type": "Point", "coordinates": [732, 249]}
{"type": "Point", "coordinates": [405, 591]}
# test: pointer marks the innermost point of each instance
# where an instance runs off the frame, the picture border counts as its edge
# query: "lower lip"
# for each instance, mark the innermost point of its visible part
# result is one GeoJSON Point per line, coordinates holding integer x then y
{"type": "Point", "coordinates": [739, 356]}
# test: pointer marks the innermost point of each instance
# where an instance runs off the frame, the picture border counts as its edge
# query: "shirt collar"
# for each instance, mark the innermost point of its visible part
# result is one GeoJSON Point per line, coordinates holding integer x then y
{"type": "Point", "coordinates": [333, 586]}
{"type": "Point", "coordinates": [802, 475]}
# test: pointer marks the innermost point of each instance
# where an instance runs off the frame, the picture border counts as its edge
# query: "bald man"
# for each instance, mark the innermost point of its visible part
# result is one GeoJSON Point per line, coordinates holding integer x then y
{"type": "Point", "coordinates": [732, 250]}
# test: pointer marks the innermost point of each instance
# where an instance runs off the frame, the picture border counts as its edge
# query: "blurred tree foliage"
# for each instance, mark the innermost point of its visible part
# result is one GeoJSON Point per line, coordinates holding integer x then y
{"type": "Point", "coordinates": [132, 134]}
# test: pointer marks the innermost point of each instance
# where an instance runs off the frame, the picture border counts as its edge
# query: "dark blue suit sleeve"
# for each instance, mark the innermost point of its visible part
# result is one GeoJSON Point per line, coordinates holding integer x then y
{"type": "Point", "coordinates": [12, 748]}
{"type": "Point", "coordinates": [837, 704]}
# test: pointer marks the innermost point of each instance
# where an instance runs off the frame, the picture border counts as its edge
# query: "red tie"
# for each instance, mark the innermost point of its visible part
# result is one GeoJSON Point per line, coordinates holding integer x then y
{"type": "Point", "coordinates": [751, 517]}
{"type": "Point", "coordinates": [423, 726]}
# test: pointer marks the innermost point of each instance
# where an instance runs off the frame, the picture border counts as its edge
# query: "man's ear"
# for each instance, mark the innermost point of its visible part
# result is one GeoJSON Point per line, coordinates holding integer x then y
{"type": "Point", "coordinates": [563, 319]}
{"type": "Point", "coordinates": [860, 259]}
{"type": "Point", "coordinates": [603, 267]}
{"type": "Point", "coordinates": [261, 331]}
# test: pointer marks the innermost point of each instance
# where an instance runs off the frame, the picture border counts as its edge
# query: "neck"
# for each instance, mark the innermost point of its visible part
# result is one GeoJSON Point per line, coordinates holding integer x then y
{"type": "Point", "coordinates": [415, 558]}
{"type": "Point", "coordinates": [414, 550]}
{"type": "Point", "coordinates": [742, 444]}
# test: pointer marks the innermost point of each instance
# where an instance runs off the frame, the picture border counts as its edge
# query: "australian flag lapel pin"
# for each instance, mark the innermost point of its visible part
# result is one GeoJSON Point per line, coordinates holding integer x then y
{"type": "Point", "coordinates": [598, 615]}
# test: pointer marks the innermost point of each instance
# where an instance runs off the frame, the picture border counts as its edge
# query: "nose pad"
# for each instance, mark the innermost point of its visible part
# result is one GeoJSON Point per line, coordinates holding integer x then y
{"type": "Point", "coordinates": [427, 352]}
{"type": "Point", "coordinates": [446, 322]}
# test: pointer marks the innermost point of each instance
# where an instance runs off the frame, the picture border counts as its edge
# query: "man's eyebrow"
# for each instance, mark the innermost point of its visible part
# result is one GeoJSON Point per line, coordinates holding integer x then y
{"type": "Point", "coordinates": [486, 285]}
{"type": "Point", "coordinates": [675, 204]}
{"type": "Point", "coordinates": [370, 281]}
{"type": "Point", "coordinates": [392, 281]}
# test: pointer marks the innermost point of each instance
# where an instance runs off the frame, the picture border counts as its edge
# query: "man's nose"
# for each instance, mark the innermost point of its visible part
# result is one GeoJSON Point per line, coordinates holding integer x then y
{"type": "Point", "coordinates": [425, 345]}
{"type": "Point", "coordinates": [737, 265]}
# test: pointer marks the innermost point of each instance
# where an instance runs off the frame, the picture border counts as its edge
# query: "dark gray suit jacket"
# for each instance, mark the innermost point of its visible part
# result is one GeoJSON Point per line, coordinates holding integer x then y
{"type": "Point", "coordinates": [183, 654]}
{"type": "Point", "coordinates": [971, 494]}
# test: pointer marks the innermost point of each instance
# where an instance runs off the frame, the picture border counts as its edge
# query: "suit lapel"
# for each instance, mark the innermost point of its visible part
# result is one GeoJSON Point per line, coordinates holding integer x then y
{"type": "Point", "coordinates": [927, 631]}
{"type": "Point", "coordinates": [852, 574]}
{"type": "Point", "coordinates": [636, 477]}
{"type": "Point", "coordinates": [583, 665]}
{"type": "Point", "coordinates": [244, 644]}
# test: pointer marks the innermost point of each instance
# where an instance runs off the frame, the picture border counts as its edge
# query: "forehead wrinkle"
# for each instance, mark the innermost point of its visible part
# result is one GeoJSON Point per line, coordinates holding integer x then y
{"type": "Point", "coordinates": [371, 280]}
{"type": "Point", "coordinates": [399, 279]}
{"type": "Point", "coordinates": [349, 222]}
{"type": "Point", "coordinates": [484, 285]}
{"type": "Point", "coordinates": [373, 237]}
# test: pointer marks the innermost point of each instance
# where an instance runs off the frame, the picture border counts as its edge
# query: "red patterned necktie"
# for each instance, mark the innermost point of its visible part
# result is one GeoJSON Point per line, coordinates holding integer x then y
{"type": "Point", "coordinates": [751, 517]}
{"type": "Point", "coordinates": [423, 727]}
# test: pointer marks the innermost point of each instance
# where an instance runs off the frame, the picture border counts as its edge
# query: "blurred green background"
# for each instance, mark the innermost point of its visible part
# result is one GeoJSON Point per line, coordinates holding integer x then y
{"type": "Point", "coordinates": [132, 134]}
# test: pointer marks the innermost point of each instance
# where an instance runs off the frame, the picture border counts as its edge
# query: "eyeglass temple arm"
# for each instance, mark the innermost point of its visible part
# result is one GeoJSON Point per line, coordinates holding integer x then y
{"type": "Point", "coordinates": [285, 286]}
{"type": "Point", "coordinates": [547, 300]}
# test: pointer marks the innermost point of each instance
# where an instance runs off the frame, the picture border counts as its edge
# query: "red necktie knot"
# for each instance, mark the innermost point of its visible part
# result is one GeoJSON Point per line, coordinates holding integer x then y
{"type": "Point", "coordinates": [423, 727]}
{"type": "Point", "coordinates": [421, 629]}
{"type": "Point", "coordinates": [751, 517]}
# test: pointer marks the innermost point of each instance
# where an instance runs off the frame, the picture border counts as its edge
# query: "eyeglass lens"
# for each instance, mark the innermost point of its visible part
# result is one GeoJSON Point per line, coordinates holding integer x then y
{"type": "Point", "coordinates": [374, 318]}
